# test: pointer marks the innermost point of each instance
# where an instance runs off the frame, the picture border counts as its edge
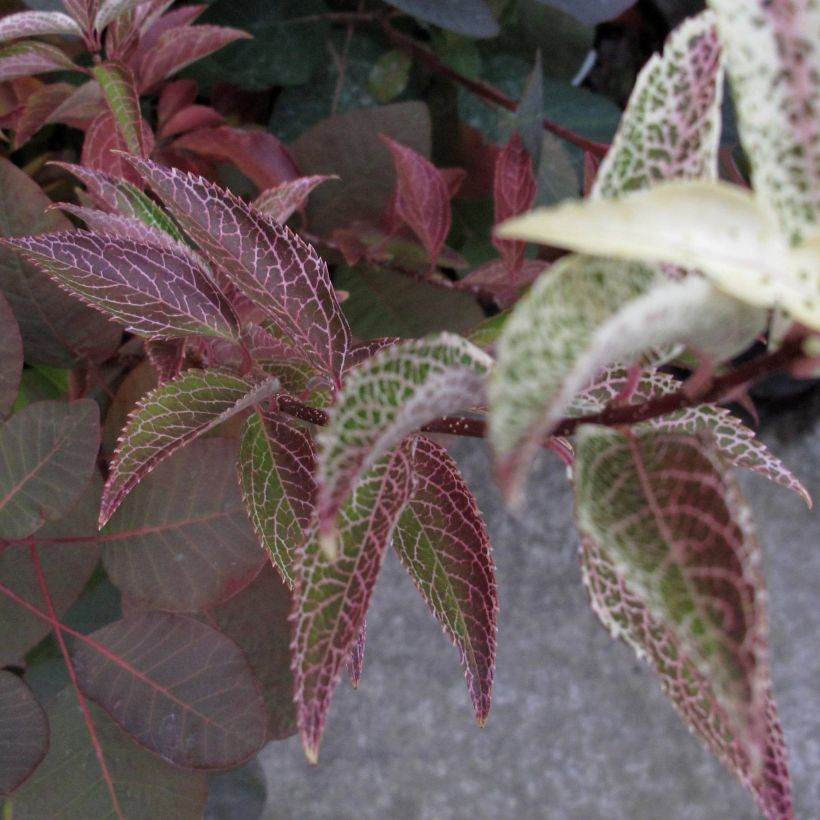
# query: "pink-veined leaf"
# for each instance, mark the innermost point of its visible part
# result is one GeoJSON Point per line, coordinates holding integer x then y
{"type": "Point", "coordinates": [47, 455]}
{"type": "Point", "coordinates": [280, 202]}
{"type": "Point", "coordinates": [626, 616]}
{"type": "Point", "coordinates": [169, 417]}
{"type": "Point", "coordinates": [109, 10]}
{"type": "Point", "coordinates": [80, 107]}
{"type": "Point", "coordinates": [355, 663]}
{"type": "Point", "coordinates": [11, 357]}
{"type": "Point", "coordinates": [66, 572]}
{"type": "Point", "coordinates": [257, 620]}
{"type": "Point", "coordinates": [276, 463]}
{"type": "Point", "coordinates": [268, 262]}
{"type": "Point", "coordinates": [332, 594]}
{"type": "Point", "coordinates": [154, 291]}
{"type": "Point", "coordinates": [734, 439]}
{"type": "Point", "coordinates": [27, 57]}
{"type": "Point", "coordinates": [363, 351]}
{"type": "Point", "coordinates": [120, 91]}
{"type": "Point", "coordinates": [495, 280]}
{"type": "Point", "coordinates": [265, 160]}
{"type": "Point", "coordinates": [665, 509]}
{"type": "Point", "coordinates": [178, 687]}
{"type": "Point", "coordinates": [443, 543]}
{"type": "Point", "coordinates": [166, 357]}
{"type": "Point", "coordinates": [23, 732]}
{"type": "Point", "coordinates": [180, 47]}
{"type": "Point", "coordinates": [190, 118]}
{"type": "Point", "coordinates": [37, 110]}
{"type": "Point", "coordinates": [35, 24]}
{"type": "Point", "coordinates": [161, 18]}
{"type": "Point", "coordinates": [82, 11]}
{"type": "Point", "coordinates": [104, 145]}
{"type": "Point", "coordinates": [390, 395]}
{"type": "Point", "coordinates": [514, 190]}
{"type": "Point", "coordinates": [181, 540]}
{"type": "Point", "coordinates": [146, 786]}
{"type": "Point", "coordinates": [422, 198]}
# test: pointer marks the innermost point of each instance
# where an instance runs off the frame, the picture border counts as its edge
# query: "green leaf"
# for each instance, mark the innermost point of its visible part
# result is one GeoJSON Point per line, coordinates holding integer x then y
{"type": "Point", "coordinates": [276, 462]}
{"type": "Point", "coordinates": [389, 75]}
{"type": "Point", "coordinates": [48, 451]}
{"type": "Point", "coordinates": [470, 17]}
{"type": "Point", "coordinates": [120, 91]}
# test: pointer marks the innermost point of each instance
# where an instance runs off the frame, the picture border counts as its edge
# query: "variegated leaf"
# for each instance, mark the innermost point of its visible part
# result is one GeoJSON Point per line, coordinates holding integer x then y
{"type": "Point", "coordinates": [35, 24]}
{"type": "Point", "coordinates": [169, 417]}
{"type": "Point", "coordinates": [773, 56]}
{"type": "Point", "coordinates": [671, 127]}
{"type": "Point", "coordinates": [268, 262]}
{"type": "Point", "coordinates": [27, 57]}
{"type": "Point", "coordinates": [333, 594]}
{"type": "Point", "coordinates": [152, 290]}
{"type": "Point", "coordinates": [392, 394]}
{"type": "Point", "coordinates": [120, 91]}
{"type": "Point", "coordinates": [276, 463]}
{"type": "Point", "coordinates": [582, 315]}
{"type": "Point", "coordinates": [281, 202]}
{"type": "Point", "coordinates": [718, 228]}
{"type": "Point", "coordinates": [668, 514]}
{"type": "Point", "coordinates": [735, 440]}
{"type": "Point", "coordinates": [443, 543]}
{"type": "Point", "coordinates": [626, 616]}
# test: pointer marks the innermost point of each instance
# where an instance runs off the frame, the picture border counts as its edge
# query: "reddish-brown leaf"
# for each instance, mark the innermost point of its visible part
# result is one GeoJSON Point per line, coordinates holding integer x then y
{"type": "Point", "coordinates": [190, 118]}
{"type": "Point", "coordinates": [103, 141]}
{"type": "Point", "coordinates": [27, 57]}
{"type": "Point", "coordinates": [38, 107]}
{"type": "Point", "coordinates": [11, 357]}
{"type": "Point", "coordinates": [23, 732]}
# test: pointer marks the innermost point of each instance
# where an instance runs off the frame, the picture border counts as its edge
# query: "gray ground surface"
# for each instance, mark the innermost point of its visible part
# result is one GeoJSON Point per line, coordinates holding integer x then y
{"type": "Point", "coordinates": [579, 729]}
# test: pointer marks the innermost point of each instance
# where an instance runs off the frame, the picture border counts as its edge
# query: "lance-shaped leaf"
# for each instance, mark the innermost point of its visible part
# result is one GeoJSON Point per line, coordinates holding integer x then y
{"type": "Point", "coordinates": [422, 198]}
{"type": "Point", "coordinates": [23, 732]}
{"type": "Point", "coordinates": [181, 541]}
{"type": "Point", "coordinates": [333, 594]}
{"type": "Point", "coordinates": [153, 291]}
{"type": "Point", "coordinates": [38, 109]}
{"type": "Point", "coordinates": [665, 509]}
{"type": "Point", "coordinates": [168, 418]}
{"type": "Point", "coordinates": [718, 228]}
{"type": "Point", "coordinates": [268, 262]}
{"type": "Point", "coordinates": [355, 663]}
{"type": "Point", "coordinates": [626, 616]}
{"type": "Point", "coordinates": [514, 191]}
{"type": "Point", "coordinates": [28, 57]}
{"type": "Point", "coordinates": [671, 127]}
{"type": "Point", "coordinates": [281, 202]}
{"type": "Point", "coordinates": [735, 440]}
{"type": "Point", "coordinates": [392, 394]}
{"type": "Point", "coordinates": [47, 455]}
{"type": "Point", "coordinates": [145, 785]}
{"type": "Point", "coordinates": [35, 24]}
{"type": "Point", "coordinates": [109, 10]}
{"type": "Point", "coordinates": [178, 687]}
{"type": "Point", "coordinates": [180, 47]}
{"type": "Point", "coordinates": [120, 91]}
{"type": "Point", "coordinates": [773, 56]}
{"type": "Point", "coordinates": [104, 146]}
{"type": "Point", "coordinates": [582, 315]}
{"type": "Point", "coordinates": [276, 463]}
{"type": "Point", "coordinates": [11, 357]}
{"type": "Point", "coordinates": [443, 543]}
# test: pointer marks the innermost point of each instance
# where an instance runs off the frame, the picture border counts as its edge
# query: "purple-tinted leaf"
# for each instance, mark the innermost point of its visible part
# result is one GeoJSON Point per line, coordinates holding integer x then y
{"type": "Point", "coordinates": [257, 620]}
{"type": "Point", "coordinates": [181, 540]}
{"type": "Point", "coordinates": [471, 17]}
{"type": "Point", "coordinates": [442, 541]}
{"type": "Point", "coordinates": [174, 97]}
{"type": "Point", "coordinates": [178, 687]}
{"type": "Point", "coordinates": [281, 202]}
{"type": "Point", "coordinates": [269, 263]}
{"type": "Point", "coordinates": [109, 10]}
{"type": "Point", "coordinates": [190, 118]}
{"type": "Point", "coordinates": [36, 23]}
{"type": "Point", "coordinates": [171, 416]}
{"type": "Point", "coordinates": [104, 144]}
{"type": "Point", "coordinates": [276, 463]}
{"type": "Point", "coordinates": [146, 786]}
{"type": "Point", "coordinates": [494, 279]}
{"type": "Point", "coordinates": [422, 199]}
{"type": "Point", "coordinates": [120, 91]}
{"type": "Point", "coordinates": [67, 568]}
{"type": "Point", "coordinates": [153, 291]}
{"type": "Point", "coordinates": [47, 455]}
{"type": "Point", "coordinates": [333, 594]}
{"type": "Point", "coordinates": [665, 510]}
{"type": "Point", "coordinates": [11, 357]}
{"type": "Point", "coordinates": [166, 357]}
{"type": "Point", "coordinates": [514, 191]}
{"type": "Point", "coordinates": [363, 351]}
{"type": "Point", "coordinates": [180, 47]}
{"type": "Point", "coordinates": [82, 11]}
{"type": "Point", "coordinates": [392, 394]}
{"type": "Point", "coordinates": [81, 106]}
{"type": "Point", "coordinates": [37, 110]}
{"type": "Point", "coordinates": [626, 616]}
{"type": "Point", "coordinates": [28, 57]}
{"type": "Point", "coordinates": [355, 662]}
{"type": "Point", "coordinates": [23, 732]}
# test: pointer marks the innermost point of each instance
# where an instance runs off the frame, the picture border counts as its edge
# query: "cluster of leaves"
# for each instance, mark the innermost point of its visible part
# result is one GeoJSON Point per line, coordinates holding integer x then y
{"type": "Point", "coordinates": [314, 418]}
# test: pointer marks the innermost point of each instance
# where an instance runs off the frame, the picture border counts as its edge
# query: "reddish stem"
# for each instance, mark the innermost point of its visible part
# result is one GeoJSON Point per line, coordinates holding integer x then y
{"type": "Point", "coordinates": [51, 617]}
